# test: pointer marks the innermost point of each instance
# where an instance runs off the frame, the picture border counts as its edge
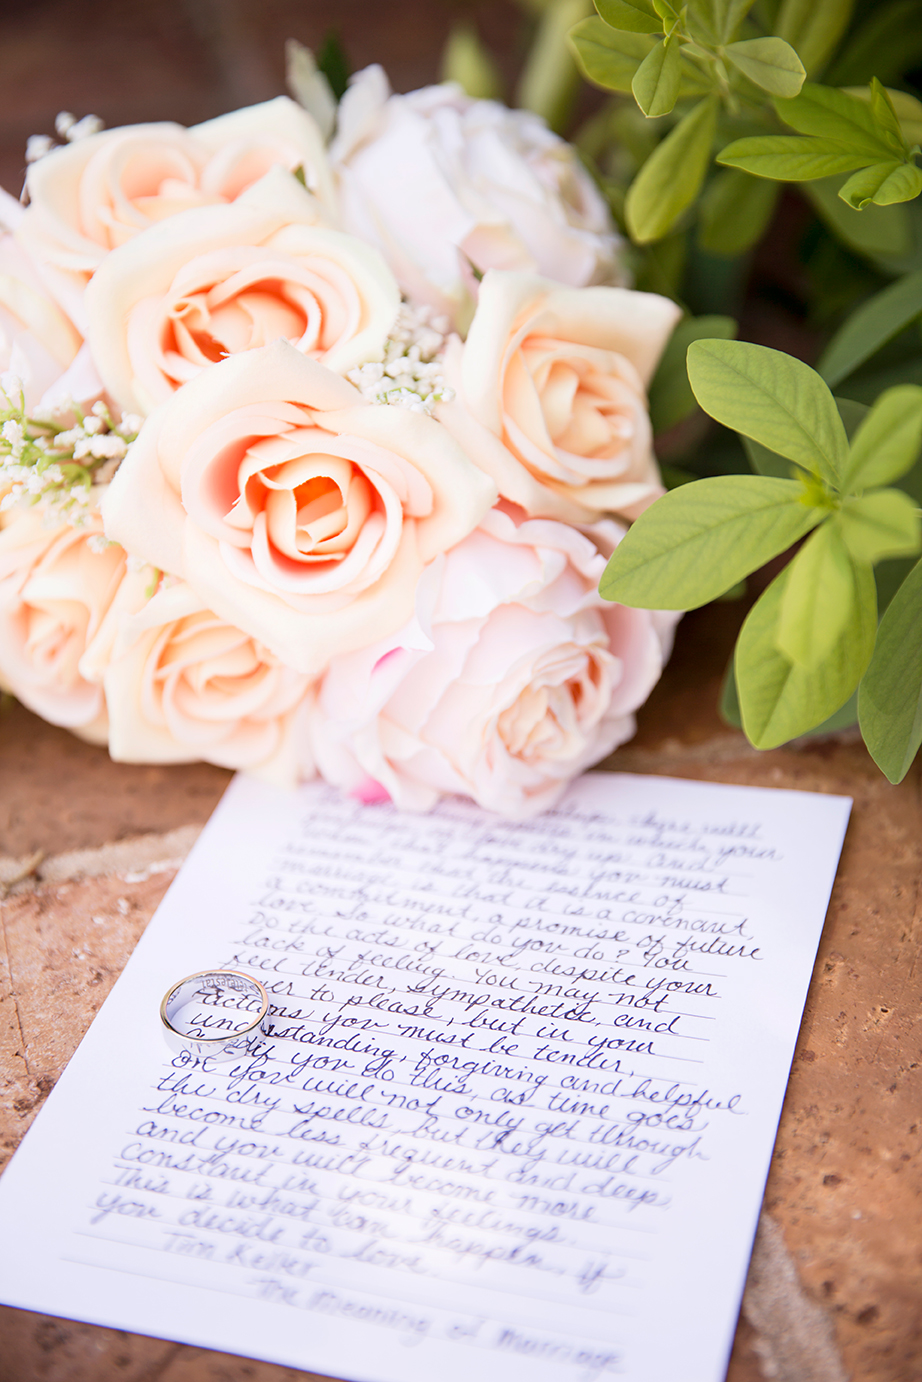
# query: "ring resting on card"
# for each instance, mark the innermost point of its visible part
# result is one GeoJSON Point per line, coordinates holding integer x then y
{"type": "Point", "coordinates": [227, 1008]}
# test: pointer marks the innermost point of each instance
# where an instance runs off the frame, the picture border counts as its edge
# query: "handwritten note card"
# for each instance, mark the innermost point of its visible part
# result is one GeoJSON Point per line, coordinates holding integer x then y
{"type": "Point", "coordinates": [513, 1111]}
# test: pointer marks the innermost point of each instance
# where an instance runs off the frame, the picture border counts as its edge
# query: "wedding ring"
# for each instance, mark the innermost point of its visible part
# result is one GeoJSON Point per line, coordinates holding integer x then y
{"type": "Point", "coordinates": [227, 1008]}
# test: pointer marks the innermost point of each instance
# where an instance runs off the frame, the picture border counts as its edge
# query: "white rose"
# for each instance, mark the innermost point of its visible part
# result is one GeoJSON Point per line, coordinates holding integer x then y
{"type": "Point", "coordinates": [183, 685]}
{"type": "Point", "coordinates": [513, 678]}
{"type": "Point", "coordinates": [440, 182]}
{"type": "Point", "coordinates": [90, 196]}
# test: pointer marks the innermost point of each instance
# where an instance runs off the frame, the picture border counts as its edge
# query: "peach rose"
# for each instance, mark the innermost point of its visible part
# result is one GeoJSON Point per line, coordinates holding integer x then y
{"type": "Point", "coordinates": [88, 197]}
{"type": "Point", "coordinates": [55, 589]}
{"type": "Point", "coordinates": [214, 282]}
{"type": "Point", "coordinates": [514, 677]}
{"type": "Point", "coordinates": [181, 685]}
{"type": "Point", "coordinates": [441, 182]}
{"type": "Point", "coordinates": [296, 511]}
{"type": "Point", "coordinates": [551, 394]}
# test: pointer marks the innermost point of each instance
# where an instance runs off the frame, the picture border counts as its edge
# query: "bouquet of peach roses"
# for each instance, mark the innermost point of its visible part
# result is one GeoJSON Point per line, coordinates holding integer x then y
{"type": "Point", "coordinates": [315, 442]}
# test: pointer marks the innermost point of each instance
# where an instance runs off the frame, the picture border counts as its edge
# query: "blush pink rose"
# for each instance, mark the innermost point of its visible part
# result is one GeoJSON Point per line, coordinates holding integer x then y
{"type": "Point", "coordinates": [214, 282]}
{"type": "Point", "coordinates": [37, 341]}
{"type": "Point", "coordinates": [441, 182]}
{"type": "Point", "coordinates": [183, 685]}
{"type": "Point", "coordinates": [295, 511]}
{"type": "Point", "coordinates": [55, 589]}
{"type": "Point", "coordinates": [514, 677]}
{"type": "Point", "coordinates": [551, 394]}
{"type": "Point", "coordinates": [95, 194]}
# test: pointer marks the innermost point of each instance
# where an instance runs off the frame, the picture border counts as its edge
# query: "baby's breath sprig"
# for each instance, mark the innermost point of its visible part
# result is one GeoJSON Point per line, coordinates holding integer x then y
{"type": "Point", "coordinates": [56, 458]}
{"type": "Point", "coordinates": [411, 373]}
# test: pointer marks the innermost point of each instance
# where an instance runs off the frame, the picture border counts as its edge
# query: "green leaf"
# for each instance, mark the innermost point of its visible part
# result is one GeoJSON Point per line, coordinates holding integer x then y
{"type": "Point", "coordinates": [770, 63]}
{"type": "Point", "coordinates": [765, 462]}
{"type": "Point", "coordinates": [697, 541]}
{"type": "Point", "coordinates": [656, 81]}
{"type": "Point", "coordinates": [884, 523]}
{"type": "Point", "coordinates": [730, 710]}
{"type": "Point", "coordinates": [790, 157]}
{"type": "Point", "coordinates": [906, 108]}
{"type": "Point", "coordinates": [887, 443]}
{"type": "Point", "coordinates": [780, 700]}
{"type": "Point", "coordinates": [887, 119]}
{"type": "Point", "coordinates": [735, 212]}
{"type": "Point", "coordinates": [875, 231]}
{"type": "Point", "coordinates": [634, 15]}
{"type": "Point", "coordinates": [890, 695]}
{"type": "Point", "coordinates": [868, 328]}
{"type": "Point", "coordinates": [813, 27]}
{"type": "Point", "coordinates": [831, 114]}
{"type": "Point", "coordinates": [883, 184]}
{"type": "Point", "coordinates": [334, 64]}
{"type": "Point", "coordinates": [772, 398]}
{"type": "Point", "coordinates": [671, 398]}
{"type": "Point", "coordinates": [671, 178]}
{"type": "Point", "coordinates": [734, 12]}
{"type": "Point", "coordinates": [607, 57]}
{"type": "Point", "coordinates": [819, 598]}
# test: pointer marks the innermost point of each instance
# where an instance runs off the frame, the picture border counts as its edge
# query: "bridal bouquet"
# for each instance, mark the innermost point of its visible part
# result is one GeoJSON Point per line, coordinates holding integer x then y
{"type": "Point", "coordinates": [315, 444]}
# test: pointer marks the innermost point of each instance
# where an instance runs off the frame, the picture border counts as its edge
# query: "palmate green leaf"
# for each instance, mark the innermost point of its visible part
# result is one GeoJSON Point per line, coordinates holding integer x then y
{"type": "Point", "coordinates": [779, 699]}
{"type": "Point", "coordinates": [770, 63]}
{"type": "Point", "coordinates": [791, 157]}
{"type": "Point", "coordinates": [656, 81]}
{"type": "Point", "coordinates": [875, 231]}
{"type": "Point", "coordinates": [819, 598]}
{"type": "Point", "coordinates": [890, 695]}
{"type": "Point", "coordinates": [608, 57]}
{"type": "Point", "coordinates": [699, 540]}
{"type": "Point", "coordinates": [829, 114]}
{"type": "Point", "coordinates": [671, 178]}
{"type": "Point", "coordinates": [873, 324]}
{"type": "Point", "coordinates": [883, 184]}
{"type": "Point", "coordinates": [887, 443]}
{"type": "Point", "coordinates": [671, 398]}
{"type": "Point", "coordinates": [772, 398]}
{"type": "Point", "coordinates": [884, 523]}
{"type": "Point", "coordinates": [813, 27]}
{"type": "Point", "coordinates": [637, 16]}
{"type": "Point", "coordinates": [735, 212]}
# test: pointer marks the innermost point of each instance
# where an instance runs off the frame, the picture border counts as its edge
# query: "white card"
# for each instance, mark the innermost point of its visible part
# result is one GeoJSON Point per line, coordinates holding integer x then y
{"type": "Point", "coordinates": [514, 1110]}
